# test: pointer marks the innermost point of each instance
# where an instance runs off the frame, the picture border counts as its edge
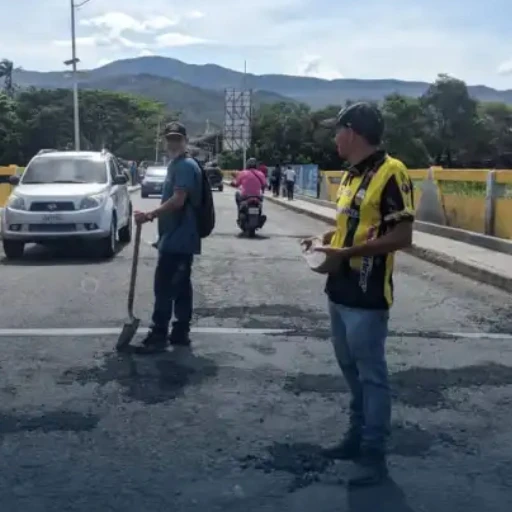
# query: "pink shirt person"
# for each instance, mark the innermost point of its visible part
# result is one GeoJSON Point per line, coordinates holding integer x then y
{"type": "Point", "coordinates": [250, 182]}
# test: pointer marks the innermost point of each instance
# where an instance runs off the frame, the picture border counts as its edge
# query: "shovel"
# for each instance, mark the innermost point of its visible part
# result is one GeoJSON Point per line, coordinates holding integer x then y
{"type": "Point", "coordinates": [130, 327]}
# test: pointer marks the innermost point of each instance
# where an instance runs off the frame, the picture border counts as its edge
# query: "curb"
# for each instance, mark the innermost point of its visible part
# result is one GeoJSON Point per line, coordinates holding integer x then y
{"type": "Point", "coordinates": [459, 267]}
{"type": "Point", "coordinates": [432, 256]}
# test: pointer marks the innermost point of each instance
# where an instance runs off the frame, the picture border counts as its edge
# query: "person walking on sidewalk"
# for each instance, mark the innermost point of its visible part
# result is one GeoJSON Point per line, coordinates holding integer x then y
{"type": "Point", "coordinates": [275, 180]}
{"type": "Point", "coordinates": [290, 176]}
{"type": "Point", "coordinates": [179, 241]}
{"type": "Point", "coordinates": [375, 213]}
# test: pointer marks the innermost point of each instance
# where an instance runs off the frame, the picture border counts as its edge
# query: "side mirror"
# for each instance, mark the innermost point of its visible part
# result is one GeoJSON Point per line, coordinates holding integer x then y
{"type": "Point", "coordinates": [120, 180]}
{"type": "Point", "coordinates": [14, 180]}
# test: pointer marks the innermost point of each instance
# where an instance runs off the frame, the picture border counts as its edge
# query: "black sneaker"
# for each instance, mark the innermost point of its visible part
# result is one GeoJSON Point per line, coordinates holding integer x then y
{"type": "Point", "coordinates": [369, 469]}
{"type": "Point", "coordinates": [179, 339]}
{"type": "Point", "coordinates": [348, 449]}
{"type": "Point", "coordinates": [153, 343]}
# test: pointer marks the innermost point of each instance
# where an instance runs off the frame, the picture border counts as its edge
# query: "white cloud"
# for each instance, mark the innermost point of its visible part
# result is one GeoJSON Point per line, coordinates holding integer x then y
{"type": "Point", "coordinates": [173, 39]}
{"type": "Point", "coordinates": [146, 53]}
{"type": "Point", "coordinates": [114, 22]}
{"type": "Point", "coordinates": [159, 23]}
{"type": "Point", "coordinates": [413, 40]}
{"type": "Point", "coordinates": [505, 68]}
{"type": "Point", "coordinates": [117, 23]}
{"type": "Point", "coordinates": [194, 15]}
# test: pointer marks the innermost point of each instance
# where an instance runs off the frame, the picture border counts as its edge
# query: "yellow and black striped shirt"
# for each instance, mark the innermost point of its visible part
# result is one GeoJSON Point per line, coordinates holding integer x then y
{"type": "Point", "coordinates": [373, 197]}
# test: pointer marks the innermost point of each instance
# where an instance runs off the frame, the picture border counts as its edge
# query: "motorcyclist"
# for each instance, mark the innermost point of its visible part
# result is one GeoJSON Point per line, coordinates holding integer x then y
{"type": "Point", "coordinates": [250, 182]}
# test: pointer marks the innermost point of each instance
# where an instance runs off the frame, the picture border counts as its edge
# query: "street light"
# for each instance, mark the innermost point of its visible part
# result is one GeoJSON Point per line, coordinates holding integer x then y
{"type": "Point", "coordinates": [73, 62]}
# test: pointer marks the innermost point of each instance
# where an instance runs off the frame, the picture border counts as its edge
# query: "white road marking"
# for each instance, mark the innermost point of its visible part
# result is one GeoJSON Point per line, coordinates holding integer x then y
{"type": "Point", "coordinates": [108, 331]}
{"type": "Point", "coordinates": [481, 335]}
{"type": "Point", "coordinates": [115, 331]}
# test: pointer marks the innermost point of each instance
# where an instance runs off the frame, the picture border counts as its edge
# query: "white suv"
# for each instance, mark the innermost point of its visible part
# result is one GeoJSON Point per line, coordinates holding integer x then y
{"type": "Point", "coordinates": [65, 196]}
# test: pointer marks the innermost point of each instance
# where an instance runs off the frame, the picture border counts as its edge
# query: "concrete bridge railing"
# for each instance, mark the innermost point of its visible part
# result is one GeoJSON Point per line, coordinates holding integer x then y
{"type": "Point", "coordinates": [468, 199]}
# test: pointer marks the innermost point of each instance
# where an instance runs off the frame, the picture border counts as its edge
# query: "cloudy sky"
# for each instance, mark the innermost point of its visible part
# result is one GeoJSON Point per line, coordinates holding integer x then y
{"type": "Point", "coordinates": [406, 39]}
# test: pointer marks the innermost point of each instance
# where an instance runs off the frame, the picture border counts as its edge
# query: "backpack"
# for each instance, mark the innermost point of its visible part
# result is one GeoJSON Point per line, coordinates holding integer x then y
{"type": "Point", "coordinates": [205, 213]}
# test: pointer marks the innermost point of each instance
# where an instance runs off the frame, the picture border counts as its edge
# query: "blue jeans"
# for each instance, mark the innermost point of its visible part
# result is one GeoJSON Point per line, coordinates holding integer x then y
{"type": "Point", "coordinates": [173, 293]}
{"type": "Point", "coordinates": [359, 337]}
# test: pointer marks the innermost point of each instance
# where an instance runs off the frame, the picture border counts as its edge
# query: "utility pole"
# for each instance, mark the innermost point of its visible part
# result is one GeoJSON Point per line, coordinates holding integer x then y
{"type": "Point", "coordinates": [244, 80]}
{"type": "Point", "coordinates": [73, 63]}
{"type": "Point", "coordinates": [157, 142]}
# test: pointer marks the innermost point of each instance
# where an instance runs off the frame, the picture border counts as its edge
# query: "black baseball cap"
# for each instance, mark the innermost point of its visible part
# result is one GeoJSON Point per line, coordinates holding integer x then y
{"type": "Point", "coordinates": [175, 128]}
{"type": "Point", "coordinates": [364, 118]}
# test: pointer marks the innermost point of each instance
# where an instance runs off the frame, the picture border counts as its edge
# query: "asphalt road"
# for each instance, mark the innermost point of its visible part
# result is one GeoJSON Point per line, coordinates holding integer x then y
{"type": "Point", "coordinates": [237, 423]}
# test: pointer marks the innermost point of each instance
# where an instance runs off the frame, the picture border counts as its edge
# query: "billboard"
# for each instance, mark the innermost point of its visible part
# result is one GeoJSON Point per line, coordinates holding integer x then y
{"type": "Point", "coordinates": [237, 120]}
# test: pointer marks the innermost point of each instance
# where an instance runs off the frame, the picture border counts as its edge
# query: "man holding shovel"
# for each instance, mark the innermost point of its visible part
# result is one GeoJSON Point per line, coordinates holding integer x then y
{"type": "Point", "coordinates": [179, 240]}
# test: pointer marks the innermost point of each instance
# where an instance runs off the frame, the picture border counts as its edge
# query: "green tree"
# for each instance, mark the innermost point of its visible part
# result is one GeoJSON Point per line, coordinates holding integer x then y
{"type": "Point", "coordinates": [124, 124]}
{"type": "Point", "coordinates": [10, 136]}
{"type": "Point", "coordinates": [280, 132]}
{"type": "Point", "coordinates": [405, 130]}
{"type": "Point", "coordinates": [452, 117]}
{"type": "Point", "coordinates": [445, 126]}
{"type": "Point", "coordinates": [6, 72]}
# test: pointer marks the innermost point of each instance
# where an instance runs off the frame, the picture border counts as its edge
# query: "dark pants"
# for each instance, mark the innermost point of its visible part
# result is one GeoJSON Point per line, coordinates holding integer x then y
{"type": "Point", "coordinates": [173, 293]}
{"type": "Point", "coordinates": [290, 185]}
{"type": "Point", "coordinates": [275, 188]}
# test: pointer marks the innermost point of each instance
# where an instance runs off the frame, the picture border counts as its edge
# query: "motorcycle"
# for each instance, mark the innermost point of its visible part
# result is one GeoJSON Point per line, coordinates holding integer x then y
{"type": "Point", "coordinates": [250, 215]}
{"type": "Point", "coordinates": [215, 177]}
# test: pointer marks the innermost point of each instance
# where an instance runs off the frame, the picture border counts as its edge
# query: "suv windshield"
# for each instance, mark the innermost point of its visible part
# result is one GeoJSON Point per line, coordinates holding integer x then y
{"type": "Point", "coordinates": [65, 170]}
{"type": "Point", "coordinates": [156, 172]}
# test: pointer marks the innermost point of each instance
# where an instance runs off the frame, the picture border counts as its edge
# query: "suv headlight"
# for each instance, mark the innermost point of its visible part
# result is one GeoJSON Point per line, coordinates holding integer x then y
{"type": "Point", "coordinates": [16, 203]}
{"type": "Point", "coordinates": [90, 202]}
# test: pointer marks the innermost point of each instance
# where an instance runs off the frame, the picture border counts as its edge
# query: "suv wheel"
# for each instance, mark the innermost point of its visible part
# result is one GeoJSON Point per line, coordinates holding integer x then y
{"type": "Point", "coordinates": [125, 234]}
{"type": "Point", "coordinates": [13, 250]}
{"type": "Point", "coordinates": [109, 243]}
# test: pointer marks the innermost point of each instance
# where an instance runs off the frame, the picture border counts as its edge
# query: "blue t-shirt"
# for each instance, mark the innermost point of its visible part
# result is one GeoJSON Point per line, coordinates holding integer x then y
{"type": "Point", "coordinates": [178, 230]}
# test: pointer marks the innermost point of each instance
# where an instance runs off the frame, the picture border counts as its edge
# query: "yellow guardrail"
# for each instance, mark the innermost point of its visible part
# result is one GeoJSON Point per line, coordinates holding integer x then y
{"type": "Point", "coordinates": [471, 199]}
{"type": "Point", "coordinates": [5, 186]}
{"type": "Point", "coordinates": [228, 175]}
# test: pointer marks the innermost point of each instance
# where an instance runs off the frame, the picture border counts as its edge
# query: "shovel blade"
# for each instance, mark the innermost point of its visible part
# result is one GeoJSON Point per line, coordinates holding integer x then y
{"type": "Point", "coordinates": [127, 334]}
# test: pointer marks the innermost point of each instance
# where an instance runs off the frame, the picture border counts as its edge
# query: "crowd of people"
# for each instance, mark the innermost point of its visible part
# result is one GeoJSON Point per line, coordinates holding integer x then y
{"type": "Point", "coordinates": [374, 219]}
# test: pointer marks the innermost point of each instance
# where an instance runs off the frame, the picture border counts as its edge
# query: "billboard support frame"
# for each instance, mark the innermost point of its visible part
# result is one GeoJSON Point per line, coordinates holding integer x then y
{"type": "Point", "coordinates": [237, 120]}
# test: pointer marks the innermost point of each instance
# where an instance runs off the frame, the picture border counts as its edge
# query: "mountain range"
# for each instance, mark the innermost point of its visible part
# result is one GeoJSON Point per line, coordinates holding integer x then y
{"type": "Point", "coordinates": [197, 91]}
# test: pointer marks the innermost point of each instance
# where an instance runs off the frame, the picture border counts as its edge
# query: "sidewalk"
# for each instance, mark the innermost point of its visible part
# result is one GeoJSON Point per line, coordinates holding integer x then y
{"type": "Point", "coordinates": [474, 262]}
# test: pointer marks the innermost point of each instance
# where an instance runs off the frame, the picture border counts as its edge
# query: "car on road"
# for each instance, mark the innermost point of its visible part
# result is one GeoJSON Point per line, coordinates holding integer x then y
{"type": "Point", "coordinates": [153, 181]}
{"type": "Point", "coordinates": [64, 196]}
